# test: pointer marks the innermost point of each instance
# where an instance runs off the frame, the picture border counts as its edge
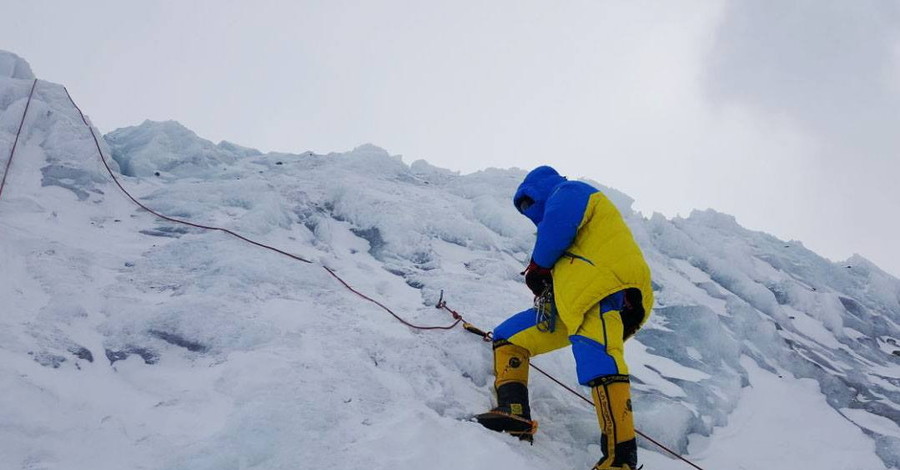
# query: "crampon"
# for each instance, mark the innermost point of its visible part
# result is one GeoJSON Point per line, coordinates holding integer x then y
{"type": "Point", "coordinates": [500, 421]}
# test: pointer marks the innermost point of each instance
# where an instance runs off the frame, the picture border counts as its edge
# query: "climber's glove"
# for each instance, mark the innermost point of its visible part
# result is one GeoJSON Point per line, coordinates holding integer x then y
{"type": "Point", "coordinates": [537, 278]}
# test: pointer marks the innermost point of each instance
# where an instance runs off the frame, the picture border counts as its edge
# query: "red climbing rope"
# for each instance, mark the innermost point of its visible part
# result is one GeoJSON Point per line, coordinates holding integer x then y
{"type": "Point", "coordinates": [165, 217]}
{"type": "Point", "coordinates": [589, 402]}
{"type": "Point", "coordinates": [386, 309]}
{"type": "Point", "coordinates": [12, 151]}
{"type": "Point", "coordinates": [236, 235]}
{"type": "Point", "coordinates": [488, 336]}
{"type": "Point", "coordinates": [458, 318]}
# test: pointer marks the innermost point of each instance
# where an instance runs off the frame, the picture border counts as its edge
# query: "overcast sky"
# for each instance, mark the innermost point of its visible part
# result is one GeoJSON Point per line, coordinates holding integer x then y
{"type": "Point", "coordinates": [783, 114]}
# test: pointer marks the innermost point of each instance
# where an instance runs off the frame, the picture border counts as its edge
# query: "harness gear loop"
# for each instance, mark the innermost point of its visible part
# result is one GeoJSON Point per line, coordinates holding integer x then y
{"type": "Point", "coordinates": [545, 310]}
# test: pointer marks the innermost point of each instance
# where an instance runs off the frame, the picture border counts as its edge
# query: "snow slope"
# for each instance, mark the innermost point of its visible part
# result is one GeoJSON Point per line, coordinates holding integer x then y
{"type": "Point", "coordinates": [130, 342]}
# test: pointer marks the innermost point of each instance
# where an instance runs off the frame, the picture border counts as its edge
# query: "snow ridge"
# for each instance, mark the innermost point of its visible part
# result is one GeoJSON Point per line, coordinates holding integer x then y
{"type": "Point", "coordinates": [13, 66]}
{"type": "Point", "coordinates": [126, 341]}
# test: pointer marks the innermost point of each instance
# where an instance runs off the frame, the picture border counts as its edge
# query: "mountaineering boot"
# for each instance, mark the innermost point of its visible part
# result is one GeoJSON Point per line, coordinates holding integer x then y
{"type": "Point", "coordinates": [612, 399]}
{"type": "Point", "coordinates": [502, 418]}
{"type": "Point", "coordinates": [512, 413]}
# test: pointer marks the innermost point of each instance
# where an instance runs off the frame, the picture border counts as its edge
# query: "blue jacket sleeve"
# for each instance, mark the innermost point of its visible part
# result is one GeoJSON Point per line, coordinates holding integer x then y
{"type": "Point", "coordinates": [562, 215]}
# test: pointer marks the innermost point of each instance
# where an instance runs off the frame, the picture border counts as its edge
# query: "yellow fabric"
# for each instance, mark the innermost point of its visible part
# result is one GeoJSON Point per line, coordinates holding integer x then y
{"type": "Point", "coordinates": [540, 342]}
{"type": "Point", "coordinates": [613, 404]}
{"type": "Point", "coordinates": [602, 259]}
{"type": "Point", "coordinates": [510, 364]}
{"type": "Point", "coordinates": [606, 329]}
{"type": "Point", "coordinates": [606, 467]}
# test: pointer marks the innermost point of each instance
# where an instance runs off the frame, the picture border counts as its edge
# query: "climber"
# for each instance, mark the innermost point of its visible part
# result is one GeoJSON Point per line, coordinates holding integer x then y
{"type": "Point", "coordinates": [592, 290]}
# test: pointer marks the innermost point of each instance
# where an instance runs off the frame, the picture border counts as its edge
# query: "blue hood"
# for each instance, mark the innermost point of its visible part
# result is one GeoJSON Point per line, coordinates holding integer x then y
{"type": "Point", "coordinates": [539, 184]}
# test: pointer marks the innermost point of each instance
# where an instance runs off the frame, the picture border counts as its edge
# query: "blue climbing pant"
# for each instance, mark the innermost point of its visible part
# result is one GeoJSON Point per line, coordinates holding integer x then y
{"type": "Point", "coordinates": [598, 343]}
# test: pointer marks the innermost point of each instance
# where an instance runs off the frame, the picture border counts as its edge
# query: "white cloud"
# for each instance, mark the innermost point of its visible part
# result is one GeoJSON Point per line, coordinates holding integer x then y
{"type": "Point", "coordinates": [822, 69]}
{"type": "Point", "coordinates": [753, 108]}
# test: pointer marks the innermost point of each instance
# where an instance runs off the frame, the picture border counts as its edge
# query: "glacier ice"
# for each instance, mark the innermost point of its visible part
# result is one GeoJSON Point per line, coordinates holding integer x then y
{"type": "Point", "coordinates": [216, 355]}
{"type": "Point", "coordinates": [13, 66]}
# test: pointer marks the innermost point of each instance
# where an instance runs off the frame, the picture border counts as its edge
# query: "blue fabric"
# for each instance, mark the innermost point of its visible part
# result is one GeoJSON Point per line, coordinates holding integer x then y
{"type": "Point", "coordinates": [538, 185]}
{"type": "Point", "coordinates": [515, 324]}
{"type": "Point", "coordinates": [562, 216]}
{"type": "Point", "coordinates": [615, 301]}
{"type": "Point", "coordinates": [591, 359]}
{"type": "Point", "coordinates": [557, 211]}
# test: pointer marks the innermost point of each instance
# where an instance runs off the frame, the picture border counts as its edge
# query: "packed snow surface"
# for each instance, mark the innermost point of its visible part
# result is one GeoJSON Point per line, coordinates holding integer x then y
{"type": "Point", "coordinates": [131, 342]}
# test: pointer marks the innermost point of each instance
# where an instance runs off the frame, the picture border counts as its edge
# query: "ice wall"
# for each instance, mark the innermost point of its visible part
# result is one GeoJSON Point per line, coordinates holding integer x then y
{"type": "Point", "coordinates": [129, 341]}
